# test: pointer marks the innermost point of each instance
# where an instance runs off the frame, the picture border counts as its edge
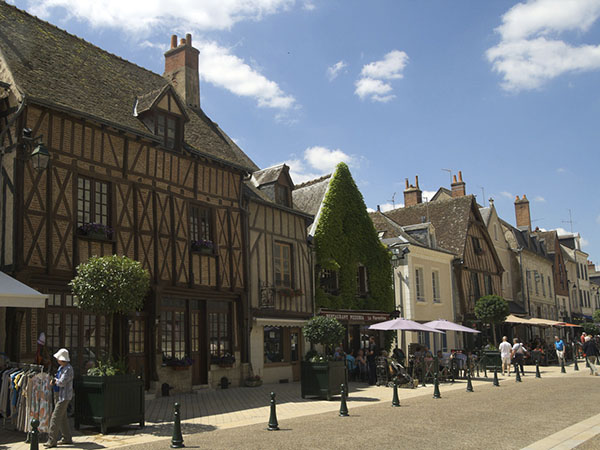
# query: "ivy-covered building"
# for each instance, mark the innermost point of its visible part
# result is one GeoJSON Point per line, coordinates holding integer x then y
{"type": "Point", "coordinates": [353, 275]}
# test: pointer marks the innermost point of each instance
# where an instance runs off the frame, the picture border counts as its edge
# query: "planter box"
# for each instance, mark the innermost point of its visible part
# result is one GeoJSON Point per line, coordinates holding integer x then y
{"type": "Point", "coordinates": [322, 379]}
{"type": "Point", "coordinates": [253, 383]}
{"type": "Point", "coordinates": [109, 401]}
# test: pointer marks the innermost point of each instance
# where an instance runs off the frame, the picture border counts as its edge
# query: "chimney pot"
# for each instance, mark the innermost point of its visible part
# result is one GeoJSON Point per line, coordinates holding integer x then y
{"type": "Point", "coordinates": [458, 187]}
{"type": "Point", "coordinates": [522, 213]}
{"type": "Point", "coordinates": [174, 41]}
{"type": "Point", "coordinates": [517, 199]}
{"type": "Point", "coordinates": [454, 178]}
{"type": "Point", "coordinates": [188, 39]}
{"type": "Point", "coordinates": [460, 176]}
{"type": "Point", "coordinates": [412, 194]}
{"type": "Point", "coordinates": [378, 208]}
{"type": "Point", "coordinates": [181, 70]}
{"type": "Point", "coordinates": [417, 181]}
{"type": "Point", "coordinates": [182, 41]}
{"type": "Point", "coordinates": [406, 183]}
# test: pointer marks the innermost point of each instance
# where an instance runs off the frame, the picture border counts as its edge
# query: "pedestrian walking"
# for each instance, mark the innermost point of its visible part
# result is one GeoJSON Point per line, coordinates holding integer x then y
{"type": "Point", "coordinates": [591, 353]}
{"type": "Point", "coordinates": [560, 349]}
{"type": "Point", "coordinates": [372, 361]}
{"type": "Point", "coordinates": [63, 386]}
{"type": "Point", "coordinates": [505, 352]}
{"type": "Point", "coordinates": [518, 355]}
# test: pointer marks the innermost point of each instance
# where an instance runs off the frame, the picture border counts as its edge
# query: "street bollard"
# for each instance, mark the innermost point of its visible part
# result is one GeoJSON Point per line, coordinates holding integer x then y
{"type": "Point", "coordinates": [177, 439]}
{"type": "Point", "coordinates": [537, 369]}
{"type": "Point", "coordinates": [34, 435]}
{"type": "Point", "coordinates": [436, 387]}
{"type": "Point", "coordinates": [562, 366]}
{"type": "Point", "coordinates": [518, 377]}
{"type": "Point", "coordinates": [273, 425]}
{"type": "Point", "coordinates": [343, 406]}
{"type": "Point", "coordinates": [395, 398]}
{"type": "Point", "coordinates": [477, 367]}
{"type": "Point", "coordinates": [576, 366]}
{"type": "Point", "coordinates": [496, 381]}
{"type": "Point", "coordinates": [587, 362]}
{"type": "Point", "coordinates": [484, 371]}
{"type": "Point", "coordinates": [469, 384]}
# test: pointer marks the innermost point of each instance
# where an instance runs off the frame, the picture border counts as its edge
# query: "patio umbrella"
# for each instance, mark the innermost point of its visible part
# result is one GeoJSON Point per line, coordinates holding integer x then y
{"type": "Point", "coordinates": [403, 324]}
{"type": "Point", "coordinates": [446, 325]}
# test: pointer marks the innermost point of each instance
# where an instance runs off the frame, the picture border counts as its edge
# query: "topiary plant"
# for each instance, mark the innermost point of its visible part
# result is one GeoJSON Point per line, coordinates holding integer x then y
{"type": "Point", "coordinates": [325, 331]}
{"type": "Point", "coordinates": [111, 285]}
{"type": "Point", "coordinates": [492, 309]}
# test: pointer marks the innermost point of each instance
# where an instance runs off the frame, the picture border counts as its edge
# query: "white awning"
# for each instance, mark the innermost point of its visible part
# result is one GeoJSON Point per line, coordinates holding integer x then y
{"type": "Point", "coordinates": [276, 322]}
{"type": "Point", "coordinates": [15, 294]}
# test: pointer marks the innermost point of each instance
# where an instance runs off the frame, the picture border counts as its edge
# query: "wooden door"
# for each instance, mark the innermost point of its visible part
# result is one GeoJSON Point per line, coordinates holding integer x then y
{"type": "Point", "coordinates": [198, 345]}
{"type": "Point", "coordinates": [295, 352]}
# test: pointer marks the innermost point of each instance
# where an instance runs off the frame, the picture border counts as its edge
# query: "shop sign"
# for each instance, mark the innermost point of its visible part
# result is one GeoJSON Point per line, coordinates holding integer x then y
{"type": "Point", "coordinates": [356, 316]}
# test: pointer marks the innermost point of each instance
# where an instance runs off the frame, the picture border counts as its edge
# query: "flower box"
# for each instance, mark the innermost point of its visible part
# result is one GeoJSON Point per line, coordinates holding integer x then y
{"type": "Point", "coordinates": [202, 246]}
{"type": "Point", "coordinates": [96, 231]}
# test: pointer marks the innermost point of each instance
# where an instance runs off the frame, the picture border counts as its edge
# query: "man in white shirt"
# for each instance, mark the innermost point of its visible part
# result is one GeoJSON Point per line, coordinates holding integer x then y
{"type": "Point", "coordinates": [518, 354]}
{"type": "Point", "coordinates": [505, 351]}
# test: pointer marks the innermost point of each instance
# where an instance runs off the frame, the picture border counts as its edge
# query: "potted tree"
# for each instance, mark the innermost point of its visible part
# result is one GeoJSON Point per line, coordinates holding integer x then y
{"type": "Point", "coordinates": [321, 376]}
{"type": "Point", "coordinates": [491, 309]}
{"type": "Point", "coordinates": [107, 395]}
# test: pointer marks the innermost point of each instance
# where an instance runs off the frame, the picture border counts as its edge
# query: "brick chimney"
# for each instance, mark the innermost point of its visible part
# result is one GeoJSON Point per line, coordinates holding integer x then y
{"type": "Point", "coordinates": [458, 187]}
{"type": "Point", "coordinates": [181, 69]}
{"type": "Point", "coordinates": [412, 194]}
{"type": "Point", "coordinates": [522, 212]}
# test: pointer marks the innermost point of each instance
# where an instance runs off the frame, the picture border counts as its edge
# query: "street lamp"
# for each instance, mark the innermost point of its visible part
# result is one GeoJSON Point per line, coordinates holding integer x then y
{"type": "Point", "coordinates": [40, 156]}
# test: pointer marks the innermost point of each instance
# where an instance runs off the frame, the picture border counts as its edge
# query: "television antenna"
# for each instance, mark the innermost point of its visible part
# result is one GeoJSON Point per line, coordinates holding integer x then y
{"type": "Point", "coordinates": [393, 200]}
{"type": "Point", "coordinates": [570, 221]}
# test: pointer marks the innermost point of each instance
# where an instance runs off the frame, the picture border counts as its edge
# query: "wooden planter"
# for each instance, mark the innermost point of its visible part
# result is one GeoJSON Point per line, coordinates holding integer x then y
{"type": "Point", "coordinates": [322, 379]}
{"type": "Point", "coordinates": [109, 401]}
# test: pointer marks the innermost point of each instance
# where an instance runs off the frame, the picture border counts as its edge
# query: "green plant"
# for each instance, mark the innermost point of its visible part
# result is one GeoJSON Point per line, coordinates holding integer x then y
{"type": "Point", "coordinates": [345, 238]}
{"type": "Point", "coordinates": [590, 328]}
{"type": "Point", "coordinates": [596, 316]}
{"type": "Point", "coordinates": [492, 309]}
{"type": "Point", "coordinates": [111, 285]}
{"type": "Point", "coordinates": [108, 368]}
{"type": "Point", "coordinates": [325, 331]}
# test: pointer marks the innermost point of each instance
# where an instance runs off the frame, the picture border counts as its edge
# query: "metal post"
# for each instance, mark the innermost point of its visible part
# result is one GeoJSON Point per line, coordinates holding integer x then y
{"type": "Point", "coordinates": [395, 398]}
{"type": "Point", "coordinates": [537, 368]}
{"type": "Point", "coordinates": [469, 384]}
{"type": "Point", "coordinates": [562, 366]}
{"type": "Point", "coordinates": [273, 425]}
{"type": "Point", "coordinates": [177, 439]}
{"type": "Point", "coordinates": [34, 435]}
{"type": "Point", "coordinates": [343, 406]}
{"type": "Point", "coordinates": [518, 374]}
{"type": "Point", "coordinates": [496, 381]}
{"type": "Point", "coordinates": [576, 366]}
{"type": "Point", "coordinates": [436, 387]}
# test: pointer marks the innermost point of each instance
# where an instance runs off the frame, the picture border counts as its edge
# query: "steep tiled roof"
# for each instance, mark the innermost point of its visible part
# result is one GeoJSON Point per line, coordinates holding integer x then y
{"type": "Point", "coordinates": [390, 229]}
{"type": "Point", "coordinates": [55, 68]}
{"type": "Point", "coordinates": [308, 196]}
{"type": "Point", "coordinates": [449, 217]}
{"type": "Point", "coordinates": [268, 175]}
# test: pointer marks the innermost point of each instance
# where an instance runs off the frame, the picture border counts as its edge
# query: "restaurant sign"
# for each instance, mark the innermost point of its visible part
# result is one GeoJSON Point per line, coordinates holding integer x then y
{"type": "Point", "coordinates": [356, 316]}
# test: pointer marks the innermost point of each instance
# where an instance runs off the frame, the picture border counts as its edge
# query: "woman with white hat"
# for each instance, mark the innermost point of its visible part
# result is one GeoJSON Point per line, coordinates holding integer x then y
{"type": "Point", "coordinates": [63, 385]}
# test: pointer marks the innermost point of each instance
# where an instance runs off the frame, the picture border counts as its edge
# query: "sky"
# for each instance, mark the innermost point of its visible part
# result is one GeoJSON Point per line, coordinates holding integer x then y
{"type": "Point", "coordinates": [504, 91]}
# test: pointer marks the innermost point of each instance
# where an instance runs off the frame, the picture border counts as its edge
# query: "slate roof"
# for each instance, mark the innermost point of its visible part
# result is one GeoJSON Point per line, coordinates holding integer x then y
{"type": "Point", "coordinates": [308, 196]}
{"type": "Point", "coordinates": [549, 238]}
{"type": "Point", "coordinates": [54, 68]}
{"type": "Point", "coordinates": [251, 192]}
{"type": "Point", "coordinates": [268, 175]}
{"type": "Point", "coordinates": [449, 217]}
{"type": "Point", "coordinates": [486, 213]}
{"type": "Point", "coordinates": [390, 229]}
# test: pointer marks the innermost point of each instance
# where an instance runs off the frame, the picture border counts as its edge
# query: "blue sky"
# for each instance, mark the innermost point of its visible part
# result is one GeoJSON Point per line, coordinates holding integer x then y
{"type": "Point", "coordinates": [505, 91]}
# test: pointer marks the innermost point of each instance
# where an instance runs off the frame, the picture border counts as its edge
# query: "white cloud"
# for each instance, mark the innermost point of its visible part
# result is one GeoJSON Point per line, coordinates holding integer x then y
{"type": "Point", "coordinates": [334, 71]}
{"type": "Point", "coordinates": [562, 232]}
{"type": "Point", "coordinates": [561, 170]}
{"type": "Point", "coordinates": [316, 162]}
{"type": "Point", "coordinates": [389, 206]}
{"type": "Point", "coordinates": [143, 15]}
{"type": "Point", "coordinates": [428, 195]}
{"type": "Point", "coordinates": [507, 195]}
{"type": "Point", "coordinates": [220, 67]}
{"type": "Point", "coordinates": [584, 242]}
{"type": "Point", "coordinates": [374, 77]}
{"type": "Point", "coordinates": [529, 52]}
{"type": "Point", "coordinates": [539, 199]}
{"type": "Point", "coordinates": [309, 5]}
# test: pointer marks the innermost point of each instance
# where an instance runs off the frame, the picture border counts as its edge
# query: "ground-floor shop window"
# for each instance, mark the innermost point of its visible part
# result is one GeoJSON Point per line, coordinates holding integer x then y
{"type": "Point", "coordinates": [137, 333]}
{"type": "Point", "coordinates": [273, 344]}
{"type": "Point", "coordinates": [219, 332]}
{"type": "Point", "coordinates": [173, 334]}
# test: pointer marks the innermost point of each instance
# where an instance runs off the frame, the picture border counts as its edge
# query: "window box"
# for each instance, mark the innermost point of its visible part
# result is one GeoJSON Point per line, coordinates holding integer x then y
{"type": "Point", "coordinates": [96, 231]}
{"type": "Point", "coordinates": [202, 246]}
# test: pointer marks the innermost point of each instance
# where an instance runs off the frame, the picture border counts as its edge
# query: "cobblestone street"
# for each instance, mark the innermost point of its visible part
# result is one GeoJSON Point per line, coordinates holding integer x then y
{"type": "Point", "coordinates": [236, 418]}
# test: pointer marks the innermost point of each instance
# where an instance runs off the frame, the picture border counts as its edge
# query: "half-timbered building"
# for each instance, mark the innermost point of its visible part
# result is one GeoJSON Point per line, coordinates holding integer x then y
{"type": "Point", "coordinates": [136, 168]}
{"type": "Point", "coordinates": [280, 275]}
{"type": "Point", "coordinates": [461, 230]}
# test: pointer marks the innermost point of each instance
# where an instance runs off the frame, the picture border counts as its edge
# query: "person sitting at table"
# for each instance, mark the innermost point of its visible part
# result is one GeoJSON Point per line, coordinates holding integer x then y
{"type": "Point", "coordinates": [427, 355]}
{"type": "Point", "coordinates": [351, 365]}
{"type": "Point", "coordinates": [361, 364]}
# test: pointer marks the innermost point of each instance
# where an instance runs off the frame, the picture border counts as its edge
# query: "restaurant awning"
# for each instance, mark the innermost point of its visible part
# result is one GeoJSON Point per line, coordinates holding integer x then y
{"type": "Point", "coordinates": [276, 322]}
{"type": "Point", "coordinates": [543, 322]}
{"type": "Point", "coordinates": [15, 294]}
{"type": "Point", "coordinates": [515, 319]}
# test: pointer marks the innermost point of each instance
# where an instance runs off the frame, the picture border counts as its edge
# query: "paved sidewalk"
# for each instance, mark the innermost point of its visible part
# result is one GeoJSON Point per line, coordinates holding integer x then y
{"type": "Point", "coordinates": [570, 437]}
{"type": "Point", "coordinates": [208, 410]}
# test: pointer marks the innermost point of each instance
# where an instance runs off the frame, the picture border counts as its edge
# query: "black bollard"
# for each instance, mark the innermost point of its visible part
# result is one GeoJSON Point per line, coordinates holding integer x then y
{"type": "Point", "coordinates": [484, 371]}
{"type": "Point", "coordinates": [343, 406]}
{"type": "Point", "coordinates": [518, 377]}
{"type": "Point", "coordinates": [576, 366]}
{"type": "Point", "coordinates": [273, 425]}
{"type": "Point", "coordinates": [469, 384]}
{"type": "Point", "coordinates": [34, 435]}
{"type": "Point", "coordinates": [395, 398]}
{"type": "Point", "coordinates": [477, 367]}
{"type": "Point", "coordinates": [537, 369]}
{"type": "Point", "coordinates": [562, 366]}
{"type": "Point", "coordinates": [436, 387]}
{"type": "Point", "coordinates": [177, 439]}
{"type": "Point", "coordinates": [496, 381]}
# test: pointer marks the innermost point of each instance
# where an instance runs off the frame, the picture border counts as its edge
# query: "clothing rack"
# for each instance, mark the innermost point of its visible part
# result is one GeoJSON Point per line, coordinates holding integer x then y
{"type": "Point", "coordinates": [26, 365]}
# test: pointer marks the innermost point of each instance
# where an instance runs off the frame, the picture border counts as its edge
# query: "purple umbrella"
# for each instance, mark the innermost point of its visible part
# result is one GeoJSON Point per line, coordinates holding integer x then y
{"type": "Point", "coordinates": [446, 325]}
{"type": "Point", "coordinates": [403, 324]}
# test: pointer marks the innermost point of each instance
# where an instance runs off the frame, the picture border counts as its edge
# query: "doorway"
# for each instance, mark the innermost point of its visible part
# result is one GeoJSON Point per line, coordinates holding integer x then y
{"type": "Point", "coordinates": [295, 352]}
{"type": "Point", "coordinates": [198, 342]}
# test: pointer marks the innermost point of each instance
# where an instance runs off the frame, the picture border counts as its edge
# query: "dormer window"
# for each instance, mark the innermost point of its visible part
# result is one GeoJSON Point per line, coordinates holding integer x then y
{"type": "Point", "coordinates": [282, 195]}
{"type": "Point", "coordinates": [165, 126]}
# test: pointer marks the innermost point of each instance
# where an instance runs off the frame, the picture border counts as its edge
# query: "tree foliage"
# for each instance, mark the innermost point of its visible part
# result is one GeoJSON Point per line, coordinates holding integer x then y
{"type": "Point", "coordinates": [492, 309]}
{"type": "Point", "coordinates": [590, 328]}
{"type": "Point", "coordinates": [345, 237]}
{"type": "Point", "coordinates": [325, 331]}
{"type": "Point", "coordinates": [596, 316]}
{"type": "Point", "coordinates": [111, 284]}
